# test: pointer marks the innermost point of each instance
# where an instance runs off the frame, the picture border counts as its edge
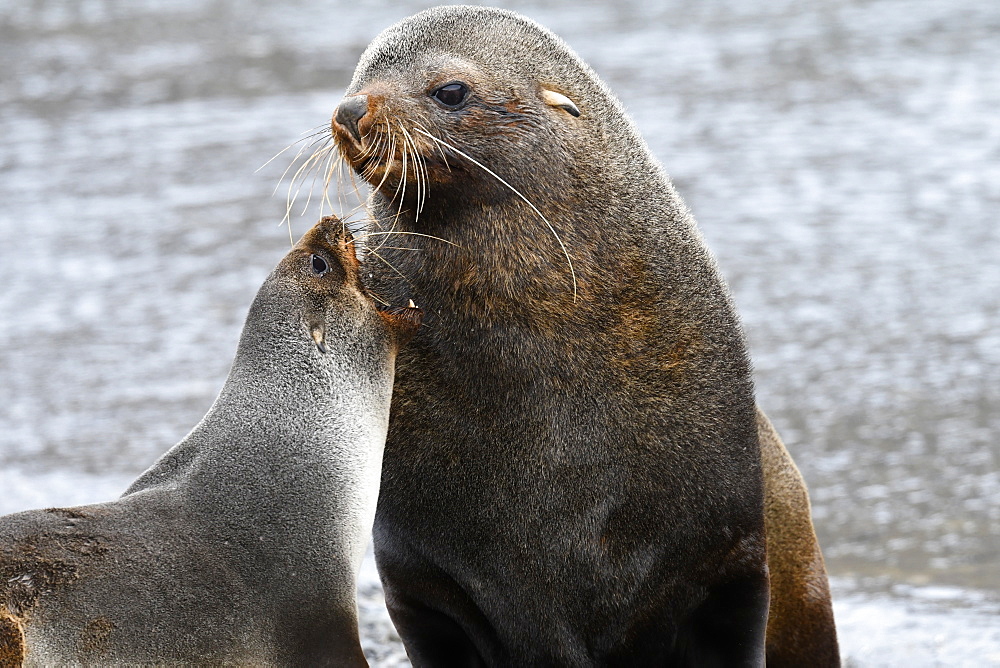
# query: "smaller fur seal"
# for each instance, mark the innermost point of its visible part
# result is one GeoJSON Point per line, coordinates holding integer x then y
{"type": "Point", "coordinates": [242, 544]}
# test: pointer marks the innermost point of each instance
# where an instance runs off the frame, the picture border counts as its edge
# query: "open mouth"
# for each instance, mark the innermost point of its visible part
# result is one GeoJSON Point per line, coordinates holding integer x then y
{"type": "Point", "coordinates": [404, 319]}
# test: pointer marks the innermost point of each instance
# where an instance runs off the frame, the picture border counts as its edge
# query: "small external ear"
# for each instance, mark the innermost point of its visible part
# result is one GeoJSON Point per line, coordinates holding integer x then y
{"type": "Point", "coordinates": [554, 99]}
{"type": "Point", "coordinates": [317, 332]}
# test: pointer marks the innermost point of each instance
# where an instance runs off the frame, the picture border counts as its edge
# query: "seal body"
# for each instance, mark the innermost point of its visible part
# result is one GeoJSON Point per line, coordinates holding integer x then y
{"type": "Point", "coordinates": [572, 473]}
{"type": "Point", "coordinates": [242, 544]}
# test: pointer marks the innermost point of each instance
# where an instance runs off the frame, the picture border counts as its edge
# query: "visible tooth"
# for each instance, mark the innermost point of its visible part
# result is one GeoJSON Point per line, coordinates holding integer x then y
{"type": "Point", "coordinates": [411, 304]}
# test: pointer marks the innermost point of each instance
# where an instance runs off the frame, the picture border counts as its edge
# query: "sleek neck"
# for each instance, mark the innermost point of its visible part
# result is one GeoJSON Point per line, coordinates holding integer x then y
{"type": "Point", "coordinates": [287, 461]}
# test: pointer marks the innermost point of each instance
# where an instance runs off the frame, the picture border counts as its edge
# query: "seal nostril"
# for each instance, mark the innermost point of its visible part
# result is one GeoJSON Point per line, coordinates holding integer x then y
{"type": "Point", "coordinates": [350, 111]}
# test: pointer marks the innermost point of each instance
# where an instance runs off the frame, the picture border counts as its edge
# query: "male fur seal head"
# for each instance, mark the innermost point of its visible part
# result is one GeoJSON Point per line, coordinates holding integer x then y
{"type": "Point", "coordinates": [514, 114]}
{"type": "Point", "coordinates": [242, 544]}
{"type": "Point", "coordinates": [443, 120]}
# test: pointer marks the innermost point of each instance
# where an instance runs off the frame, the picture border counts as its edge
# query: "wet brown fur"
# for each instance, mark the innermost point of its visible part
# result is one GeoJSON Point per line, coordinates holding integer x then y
{"type": "Point", "coordinates": [800, 621]}
{"type": "Point", "coordinates": [94, 636]}
{"type": "Point", "coordinates": [11, 641]}
{"type": "Point", "coordinates": [648, 322]}
{"type": "Point", "coordinates": [572, 472]}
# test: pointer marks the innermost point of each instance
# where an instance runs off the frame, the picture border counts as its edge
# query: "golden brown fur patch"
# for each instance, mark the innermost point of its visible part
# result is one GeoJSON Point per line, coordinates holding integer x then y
{"type": "Point", "coordinates": [11, 642]}
{"type": "Point", "coordinates": [94, 636]}
{"type": "Point", "coordinates": [800, 625]}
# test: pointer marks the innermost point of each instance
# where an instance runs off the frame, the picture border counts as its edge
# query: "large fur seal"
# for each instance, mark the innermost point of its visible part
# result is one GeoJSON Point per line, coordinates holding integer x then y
{"type": "Point", "coordinates": [242, 544]}
{"type": "Point", "coordinates": [573, 470]}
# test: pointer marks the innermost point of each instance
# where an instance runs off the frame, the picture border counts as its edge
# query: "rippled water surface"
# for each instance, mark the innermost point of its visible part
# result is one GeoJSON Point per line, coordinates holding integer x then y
{"type": "Point", "coordinates": [842, 158]}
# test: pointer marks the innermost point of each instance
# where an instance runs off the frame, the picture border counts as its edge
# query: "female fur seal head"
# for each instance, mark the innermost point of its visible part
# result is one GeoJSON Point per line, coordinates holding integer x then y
{"type": "Point", "coordinates": [291, 450]}
{"type": "Point", "coordinates": [316, 293]}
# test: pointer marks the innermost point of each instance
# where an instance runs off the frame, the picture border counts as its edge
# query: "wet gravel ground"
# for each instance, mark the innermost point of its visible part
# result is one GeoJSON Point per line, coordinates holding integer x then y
{"type": "Point", "coordinates": [842, 158]}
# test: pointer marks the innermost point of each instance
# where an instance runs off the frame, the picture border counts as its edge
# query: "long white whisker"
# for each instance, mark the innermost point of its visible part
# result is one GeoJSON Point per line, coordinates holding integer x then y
{"type": "Point", "coordinates": [391, 152]}
{"type": "Point", "coordinates": [328, 169]}
{"type": "Point", "coordinates": [392, 230]}
{"type": "Point", "coordinates": [320, 155]}
{"type": "Point", "coordinates": [514, 190]}
{"type": "Point", "coordinates": [401, 188]}
{"type": "Point", "coordinates": [390, 265]}
{"type": "Point", "coordinates": [444, 156]}
{"type": "Point", "coordinates": [305, 168]}
{"type": "Point", "coordinates": [302, 149]}
{"type": "Point", "coordinates": [357, 193]}
{"type": "Point", "coordinates": [416, 234]}
{"type": "Point", "coordinates": [377, 298]}
{"type": "Point", "coordinates": [315, 132]}
{"type": "Point", "coordinates": [418, 171]}
{"type": "Point", "coordinates": [339, 167]}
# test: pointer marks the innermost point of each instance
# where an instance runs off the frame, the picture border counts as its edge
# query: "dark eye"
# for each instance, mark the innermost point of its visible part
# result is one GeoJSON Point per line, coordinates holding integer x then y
{"type": "Point", "coordinates": [451, 95]}
{"type": "Point", "coordinates": [319, 265]}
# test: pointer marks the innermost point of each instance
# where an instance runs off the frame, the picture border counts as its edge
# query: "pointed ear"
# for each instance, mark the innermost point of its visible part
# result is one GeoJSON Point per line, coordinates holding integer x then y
{"type": "Point", "coordinates": [318, 333]}
{"type": "Point", "coordinates": [554, 99]}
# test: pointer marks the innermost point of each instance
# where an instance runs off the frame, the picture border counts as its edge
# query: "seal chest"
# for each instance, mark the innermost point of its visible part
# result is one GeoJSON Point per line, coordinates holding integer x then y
{"type": "Point", "coordinates": [243, 542]}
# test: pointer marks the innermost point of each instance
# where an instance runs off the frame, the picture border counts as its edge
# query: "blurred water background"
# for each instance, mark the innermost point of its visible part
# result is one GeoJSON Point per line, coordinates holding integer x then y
{"type": "Point", "coordinates": [841, 156]}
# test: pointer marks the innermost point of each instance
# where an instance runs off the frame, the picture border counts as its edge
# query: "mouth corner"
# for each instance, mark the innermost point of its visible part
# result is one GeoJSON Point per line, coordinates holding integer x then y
{"type": "Point", "coordinates": [405, 320]}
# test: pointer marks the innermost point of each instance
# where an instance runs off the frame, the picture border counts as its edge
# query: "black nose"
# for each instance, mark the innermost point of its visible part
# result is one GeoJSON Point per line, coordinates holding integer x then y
{"type": "Point", "coordinates": [350, 111]}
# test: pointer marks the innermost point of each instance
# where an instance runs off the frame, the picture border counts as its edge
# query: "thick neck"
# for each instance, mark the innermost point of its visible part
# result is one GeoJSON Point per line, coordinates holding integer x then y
{"type": "Point", "coordinates": [647, 289]}
{"type": "Point", "coordinates": [502, 264]}
{"type": "Point", "coordinates": [502, 251]}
